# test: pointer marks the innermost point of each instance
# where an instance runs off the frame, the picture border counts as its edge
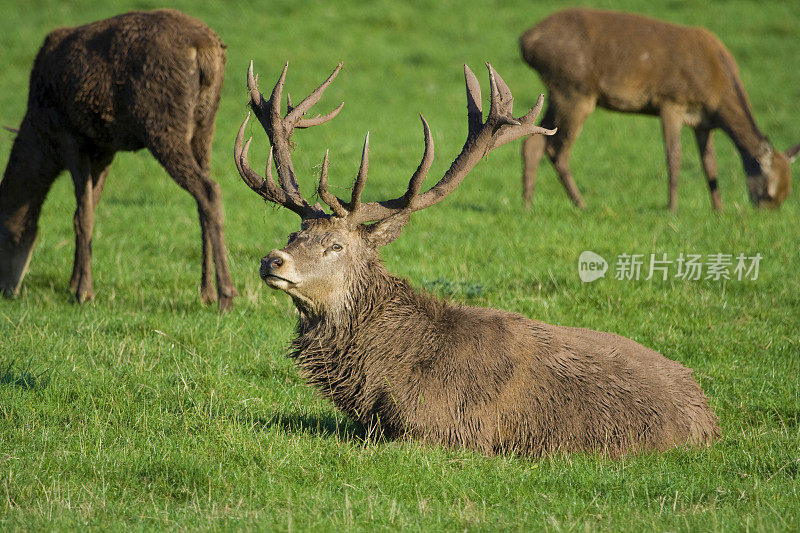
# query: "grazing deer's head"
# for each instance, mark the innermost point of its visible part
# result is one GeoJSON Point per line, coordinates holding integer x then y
{"type": "Point", "coordinates": [15, 255]}
{"type": "Point", "coordinates": [771, 182]}
{"type": "Point", "coordinates": [324, 262]}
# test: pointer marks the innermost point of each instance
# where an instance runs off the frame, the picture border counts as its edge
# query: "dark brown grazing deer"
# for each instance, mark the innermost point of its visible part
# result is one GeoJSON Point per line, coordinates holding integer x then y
{"type": "Point", "coordinates": [406, 364]}
{"type": "Point", "coordinates": [637, 64]}
{"type": "Point", "coordinates": [139, 80]}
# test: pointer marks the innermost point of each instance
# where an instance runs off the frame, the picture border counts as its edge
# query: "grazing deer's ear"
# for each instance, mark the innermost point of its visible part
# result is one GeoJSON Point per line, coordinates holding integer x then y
{"type": "Point", "coordinates": [387, 230]}
{"type": "Point", "coordinates": [791, 153]}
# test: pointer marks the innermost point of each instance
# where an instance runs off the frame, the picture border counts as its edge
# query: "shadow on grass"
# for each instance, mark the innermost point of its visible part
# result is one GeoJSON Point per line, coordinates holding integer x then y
{"type": "Point", "coordinates": [25, 378]}
{"type": "Point", "coordinates": [320, 425]}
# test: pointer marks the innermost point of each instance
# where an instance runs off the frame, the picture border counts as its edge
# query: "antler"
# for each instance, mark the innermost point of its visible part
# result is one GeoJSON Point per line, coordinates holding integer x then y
{"type": "Point", "coordinates": [499, 128]}
{"type": "Point", "coordinates": [279, 130]}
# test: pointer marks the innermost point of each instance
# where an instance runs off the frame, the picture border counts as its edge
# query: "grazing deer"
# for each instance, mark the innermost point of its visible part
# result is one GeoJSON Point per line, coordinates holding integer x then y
{"type": "Point", "coordinates": [406, 364]}
{"type": "Point", "coordinates": [637, 64]}
{"type": "Point", "coordinates": [139, 80]}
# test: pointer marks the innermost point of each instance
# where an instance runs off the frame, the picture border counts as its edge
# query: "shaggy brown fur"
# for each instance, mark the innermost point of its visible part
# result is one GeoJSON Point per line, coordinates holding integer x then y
{"type": "Point", "coordinates": [404, 363]}
{"type": "Point", "coordinates": [408, 364]}
{"type": "Point", "coordinates": [636, 64]}
{"type": "Point", "coordinates": [139, 80]}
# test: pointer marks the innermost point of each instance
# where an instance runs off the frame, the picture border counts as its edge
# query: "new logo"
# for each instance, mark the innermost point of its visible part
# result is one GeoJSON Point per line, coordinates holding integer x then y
{"type": "Point", "coordinates": [591, 266]}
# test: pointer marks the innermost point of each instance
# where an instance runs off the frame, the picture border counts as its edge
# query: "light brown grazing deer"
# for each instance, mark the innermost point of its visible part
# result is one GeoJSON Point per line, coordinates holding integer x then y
{"type": "Point", "coordinates": [406, 364]}
{"type": "Point", "coordinates": [636, 64]}
{"type": "Point", "coordinates": [139, 80]}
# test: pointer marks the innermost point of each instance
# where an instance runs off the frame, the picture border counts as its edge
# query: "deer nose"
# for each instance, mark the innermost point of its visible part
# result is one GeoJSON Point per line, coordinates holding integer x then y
{"type": "Point", "coordinates": [272, 262]}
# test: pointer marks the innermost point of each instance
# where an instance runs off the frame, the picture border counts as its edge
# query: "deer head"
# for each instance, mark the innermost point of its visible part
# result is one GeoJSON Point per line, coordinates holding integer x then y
{"type": "Point", "coordinates": [769, 177]}
{"type": "Point", "coordinates": [770, 182]}
{"type": "Point", "coordinates": [333, 254]}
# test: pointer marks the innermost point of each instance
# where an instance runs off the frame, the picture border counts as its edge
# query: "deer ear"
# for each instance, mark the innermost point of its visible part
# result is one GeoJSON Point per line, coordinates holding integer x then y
{"type": "Point", "coordinates": [792, 152]}
{"type": "Point", "coordinates": [387, 230]}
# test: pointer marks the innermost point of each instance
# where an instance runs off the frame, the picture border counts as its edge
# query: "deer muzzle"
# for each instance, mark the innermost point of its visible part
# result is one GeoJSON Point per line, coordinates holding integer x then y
{"type": "Point", "coordinates": [14, 261]}
{"type": "Point", "coordinates": [277, 270]}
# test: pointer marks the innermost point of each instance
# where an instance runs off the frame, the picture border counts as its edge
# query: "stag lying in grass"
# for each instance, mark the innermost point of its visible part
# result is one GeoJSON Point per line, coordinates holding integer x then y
{"type": "Point", "coordinates": [139, 80]}
{"type": "Point", "coordinates": [406, 364]}
{"type": "Point", "coordinates": [637, 64]}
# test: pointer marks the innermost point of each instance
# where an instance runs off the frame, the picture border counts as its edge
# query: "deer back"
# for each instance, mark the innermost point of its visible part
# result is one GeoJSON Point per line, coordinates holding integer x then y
{"type": "Point", "coordinates": [630, 62]}
{"type": "Point", "coordinates": [118, 81]}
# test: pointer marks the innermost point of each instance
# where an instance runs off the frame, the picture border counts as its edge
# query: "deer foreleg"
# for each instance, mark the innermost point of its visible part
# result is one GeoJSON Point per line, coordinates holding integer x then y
{"type": "Point", "coordinates": [706, 146]}
{"type": "Point", "coordinates": [671, 128]}
{"type": "Point", "coordinates": [532, 152]}
{"type": "Point", "coordinates": [88, 178]}
{"type": "Point", "coordinates": [83, 222]}
{"type": "Point", "coordinates": [569, 113]}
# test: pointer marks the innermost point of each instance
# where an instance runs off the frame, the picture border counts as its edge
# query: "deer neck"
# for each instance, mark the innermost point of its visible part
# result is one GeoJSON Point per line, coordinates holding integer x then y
{"type": "Point", "coordinates": [754, 148]}
{"type": "Point", "coordinates": [336, 349]}
{"type": "Point", "coordinates": [27, 179]}
{"type": "Point", "coordinates": [29, 174]}
{"type": "Point", "coordinates": [341, 319]}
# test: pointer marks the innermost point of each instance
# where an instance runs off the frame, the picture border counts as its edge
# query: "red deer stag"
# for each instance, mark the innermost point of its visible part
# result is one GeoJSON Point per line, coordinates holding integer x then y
{"type": "Point", "coordinates": [139, 80]}
{"type": "Point", "coordinates": [637, 64]}
{"type": "Point", "coordinates": [406, 364]}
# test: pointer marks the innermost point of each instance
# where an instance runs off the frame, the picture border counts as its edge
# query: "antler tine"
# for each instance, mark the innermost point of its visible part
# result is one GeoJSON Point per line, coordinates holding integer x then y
{"type": "Point", "coordinates": [533, 114]}
{"type": "Point", "coordinates": [419, 176]}
{"type": "Point", "coordinates": [525, 122]}
{"type": "Point", "coordinates": [297, 112]}
{"type": "Point", "coordinates": [319, 119]}
{"type": "Point", "coordinates": [499, 128]}
{"type": "Point", "coordinates": [474, 104]}
{"type": "Point", "coordinates": [252, 86]}
{"type": "Point", "coordinates": [333, 202]}
{"type": "Point", "coordinates": [502, 86]}
{"type": "Point", "coordinates": [502, 101]}
{"type": "Point", "coordinates": [277, 92]}
{"type": "Point", "coordinates": [361, 180]}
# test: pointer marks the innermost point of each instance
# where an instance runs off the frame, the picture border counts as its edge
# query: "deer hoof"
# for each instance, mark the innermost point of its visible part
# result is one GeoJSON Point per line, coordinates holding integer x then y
{"type": "Point", "coordinates": [226, 302]}
{"type": "Point", "coordinates": [84, 295]}
{"type": "Point", "coordinates": [208, 296]}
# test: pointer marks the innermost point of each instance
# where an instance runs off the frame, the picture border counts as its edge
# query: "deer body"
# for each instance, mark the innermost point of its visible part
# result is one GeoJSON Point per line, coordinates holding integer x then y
{"type": "Point", "coordinates": [139, 80]}
{"type": "Point", "coordinates": [406, 364]}
{"type": "Point", "coordinates": [636, 64]}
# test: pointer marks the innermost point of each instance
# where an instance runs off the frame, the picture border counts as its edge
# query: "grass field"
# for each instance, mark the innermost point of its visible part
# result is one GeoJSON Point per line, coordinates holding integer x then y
{"type": "Point", "coordinates": [147, 410]}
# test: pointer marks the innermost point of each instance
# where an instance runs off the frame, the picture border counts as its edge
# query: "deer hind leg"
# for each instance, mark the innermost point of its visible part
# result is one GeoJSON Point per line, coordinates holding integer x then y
{"type": "Point", "coordinates": [532, 151]}
{"type": "Point", "coordinates": [88, 177]}
{"type": "Point", "coordinates": [671, 128]}
{"type": "Point", "coordinates": [202, 154]}
{"type": "Point", "coordinates": [705, 143]}
{"type": "Point", "coordinates": [214, 234]}
{"type": "Point", "coordinates": [99, 174]}
{"type": "Point", "coordinates": [569, 115]}
{"type": "Point", "coordinates": [183, 167]}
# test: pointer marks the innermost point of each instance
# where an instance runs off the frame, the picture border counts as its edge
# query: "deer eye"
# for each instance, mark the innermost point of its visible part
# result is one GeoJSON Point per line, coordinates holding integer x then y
{"type": "Point", "coordinates": [336, 247]}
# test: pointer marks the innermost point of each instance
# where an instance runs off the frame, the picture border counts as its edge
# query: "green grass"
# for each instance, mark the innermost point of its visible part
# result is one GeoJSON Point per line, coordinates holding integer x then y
{"type": "Point", "coordinates": [146, 410]}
